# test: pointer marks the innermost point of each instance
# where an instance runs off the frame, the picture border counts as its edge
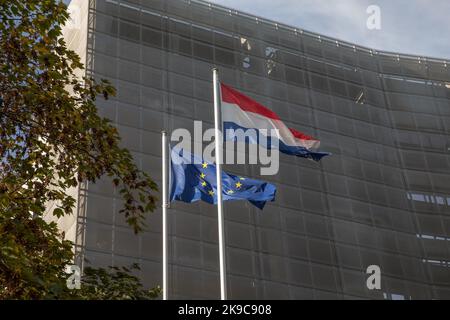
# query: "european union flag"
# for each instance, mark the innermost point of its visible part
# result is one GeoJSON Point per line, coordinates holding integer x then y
{"type": "Point", "coordinates": [194, 179]}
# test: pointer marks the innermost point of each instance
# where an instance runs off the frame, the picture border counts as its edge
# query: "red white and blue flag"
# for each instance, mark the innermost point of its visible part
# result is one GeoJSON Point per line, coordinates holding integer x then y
{"type": "Point", "coordinates": [241, 112]}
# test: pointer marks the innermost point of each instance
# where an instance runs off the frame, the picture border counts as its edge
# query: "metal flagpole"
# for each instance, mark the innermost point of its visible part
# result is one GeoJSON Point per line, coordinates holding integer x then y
{"type": "Point", "coordinates": [164, 214]}
{"type": "Point", "coordinates": [218, 151]}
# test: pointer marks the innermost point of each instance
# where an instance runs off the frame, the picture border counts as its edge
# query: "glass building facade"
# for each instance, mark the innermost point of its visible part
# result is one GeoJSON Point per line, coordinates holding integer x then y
{"type": "Point", "coordinates": [383, 198]}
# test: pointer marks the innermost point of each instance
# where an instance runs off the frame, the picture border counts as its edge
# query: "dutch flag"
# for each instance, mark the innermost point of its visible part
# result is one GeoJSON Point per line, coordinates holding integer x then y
{"type": "Point", "coordinates": [241, 112]}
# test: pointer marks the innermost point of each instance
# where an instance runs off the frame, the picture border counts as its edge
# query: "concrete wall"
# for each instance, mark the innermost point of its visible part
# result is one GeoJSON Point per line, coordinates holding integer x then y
{"type": "Point", "coordinates": [75, 33]}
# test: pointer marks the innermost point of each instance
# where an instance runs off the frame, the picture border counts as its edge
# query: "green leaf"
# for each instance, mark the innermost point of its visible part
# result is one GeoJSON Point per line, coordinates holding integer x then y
{"type": "Point", "coordinates": [52, 138]}
{"type": "Point", "coordinates": [58, 212]}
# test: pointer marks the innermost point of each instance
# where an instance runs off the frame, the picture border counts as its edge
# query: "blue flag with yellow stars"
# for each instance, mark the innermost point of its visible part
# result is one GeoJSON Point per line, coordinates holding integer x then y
{"type": "Point", "coordinates": [193, 179]}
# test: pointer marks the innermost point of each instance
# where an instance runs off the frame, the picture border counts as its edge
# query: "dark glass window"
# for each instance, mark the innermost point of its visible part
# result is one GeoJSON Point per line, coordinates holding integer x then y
{"type": "Point", "coordinates": [107, 24]}
{"type": "Point", "coordinates": [224, 57]}
{"type": "Point", "coordinates": [129, 31]}
{"type": "Point", "coordinates": [203, 51]}
{"type": "Point", "coordinates": [152, 37]}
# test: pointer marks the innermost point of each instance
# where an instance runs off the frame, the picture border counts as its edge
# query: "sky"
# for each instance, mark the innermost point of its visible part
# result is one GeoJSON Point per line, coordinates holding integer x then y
{"type": "Point", "coordinates": [418, 27]}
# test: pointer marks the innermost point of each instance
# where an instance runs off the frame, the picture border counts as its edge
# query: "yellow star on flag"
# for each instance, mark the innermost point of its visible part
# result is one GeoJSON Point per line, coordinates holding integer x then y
{"type": "Point", "coordinates": [238, 185]}
{"type": "Point", "coordinates": [230, 192]}
{"type": "Point", "coordinates": [242, 179]}
{"type": "Point", "coordinates": [204, 183]}
{"type": "Point", "coordinates": [211, 192]}
{"type": "Point", "coordinates": [205, 165]}
{"type": "Point", "coordinates": [203, 176]}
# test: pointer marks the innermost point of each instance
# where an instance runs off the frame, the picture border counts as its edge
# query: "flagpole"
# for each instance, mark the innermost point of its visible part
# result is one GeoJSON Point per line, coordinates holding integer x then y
{"type": "Point", "coordinates": [218, 151]}
{"type": "Point", "coordinates": [164, 214]}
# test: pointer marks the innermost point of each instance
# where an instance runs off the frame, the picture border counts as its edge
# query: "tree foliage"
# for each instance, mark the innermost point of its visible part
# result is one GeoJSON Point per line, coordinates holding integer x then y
{"type": "Point", "coordinates": [51, 139]}
{"type": "Point", "coordinates": [114, 283]}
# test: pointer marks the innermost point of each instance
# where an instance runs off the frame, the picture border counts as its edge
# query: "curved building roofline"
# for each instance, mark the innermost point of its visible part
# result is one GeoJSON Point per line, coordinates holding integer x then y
{"type": "Point", "coordinates": [319, 37]}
